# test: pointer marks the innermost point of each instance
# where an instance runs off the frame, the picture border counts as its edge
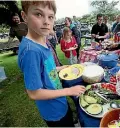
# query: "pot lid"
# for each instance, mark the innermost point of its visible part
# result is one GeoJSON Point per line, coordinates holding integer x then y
{"type": "Point", "coordinates": [108, 56]}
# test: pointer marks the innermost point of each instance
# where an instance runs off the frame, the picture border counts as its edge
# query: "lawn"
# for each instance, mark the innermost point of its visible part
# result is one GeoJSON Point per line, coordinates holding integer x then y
{"type": "Point", "coordinates": [16, 109]}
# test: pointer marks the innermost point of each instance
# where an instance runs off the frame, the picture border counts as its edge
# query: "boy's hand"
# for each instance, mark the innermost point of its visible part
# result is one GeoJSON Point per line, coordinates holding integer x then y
{"type": "Point", "coordinates": [76, 90]}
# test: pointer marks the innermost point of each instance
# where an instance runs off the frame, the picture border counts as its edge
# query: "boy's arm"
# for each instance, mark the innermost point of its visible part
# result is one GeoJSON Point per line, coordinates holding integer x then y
{"type": "Point", "coordinates": [30, 65]}
{"type": "Point", "coordinates": [45, 94]}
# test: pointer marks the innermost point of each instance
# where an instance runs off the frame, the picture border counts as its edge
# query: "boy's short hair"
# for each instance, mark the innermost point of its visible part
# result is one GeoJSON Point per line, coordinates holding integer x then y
{"type": "Point", "coordinates": [51, 4]}
{"type": "Point", "coordinates": [99, 15]}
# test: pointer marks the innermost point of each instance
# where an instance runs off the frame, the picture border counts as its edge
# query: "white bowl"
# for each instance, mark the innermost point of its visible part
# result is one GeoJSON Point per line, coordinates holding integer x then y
{"type": "Point", "coordinates": [93, 74]}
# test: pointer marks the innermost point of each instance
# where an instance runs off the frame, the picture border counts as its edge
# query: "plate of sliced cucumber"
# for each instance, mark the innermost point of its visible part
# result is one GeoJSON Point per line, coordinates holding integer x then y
{"type": "Point", "coordinates": [93, 103]}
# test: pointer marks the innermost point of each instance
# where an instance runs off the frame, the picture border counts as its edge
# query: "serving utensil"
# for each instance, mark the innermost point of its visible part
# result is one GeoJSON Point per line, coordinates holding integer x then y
{"type": "Point", "coordinates": [100, 95]}
{"type": "Point", "coordinates": [114, 104]}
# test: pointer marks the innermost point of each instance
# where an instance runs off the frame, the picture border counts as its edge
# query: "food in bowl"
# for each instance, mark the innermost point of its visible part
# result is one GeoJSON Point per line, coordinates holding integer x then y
{"type": "Point", "coordinates": [113, 79]}
{"type": "Point", "coordinates": [72, 72]}
{"type": "Point", "coordinates": [65, 75]}
{"type": "Point", "coordinates": [93, 74]}
{"type": "Point", "coordinates": [112, 75]}
{"type": "Point", "coordinates": [94, 109]}
{"type": "Point", "coordinates": [114, 124]}
{"type": "Point", "coordinates": [75, 71]}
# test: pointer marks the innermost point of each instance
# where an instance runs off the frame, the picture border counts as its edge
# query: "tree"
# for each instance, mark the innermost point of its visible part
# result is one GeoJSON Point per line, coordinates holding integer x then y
{"type": "Point", "coordinates": [103, 7]}
{"type": "Point", "coordinates": [4, 28]}
{"type": "Point", "coordinates": [6, 10]}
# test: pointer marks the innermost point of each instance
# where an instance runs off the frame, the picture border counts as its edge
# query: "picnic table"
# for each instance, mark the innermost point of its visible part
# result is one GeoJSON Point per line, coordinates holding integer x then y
{"type": "Point", "coordinates": [84, 119]}
{"type": "Point", "coordinates": [90, 55]}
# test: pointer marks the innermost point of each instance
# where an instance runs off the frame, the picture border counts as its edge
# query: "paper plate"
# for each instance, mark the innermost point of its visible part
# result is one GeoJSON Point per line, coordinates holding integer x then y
{"type": "Point", "coordinates": [72, 72]}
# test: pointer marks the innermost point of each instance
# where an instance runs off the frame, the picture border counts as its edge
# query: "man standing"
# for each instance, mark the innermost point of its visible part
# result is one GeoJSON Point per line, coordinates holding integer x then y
{"type": "Point", "coordinates": [18, 29]}
{"type": "Point", "coordinates": [116, 22]}
{"type": "Point", "coordinates": [76, 22]}
{"type": "Point", "coordinates": [99, 30]}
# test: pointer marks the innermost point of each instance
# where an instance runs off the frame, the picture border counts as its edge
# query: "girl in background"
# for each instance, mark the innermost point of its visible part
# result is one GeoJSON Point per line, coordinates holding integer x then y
{"type": "Point", "coordinates": [69, 45]}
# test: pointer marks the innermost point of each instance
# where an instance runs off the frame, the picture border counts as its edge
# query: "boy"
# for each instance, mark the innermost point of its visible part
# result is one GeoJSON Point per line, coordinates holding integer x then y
{"type": "Point", "coordinates": [40, 73]}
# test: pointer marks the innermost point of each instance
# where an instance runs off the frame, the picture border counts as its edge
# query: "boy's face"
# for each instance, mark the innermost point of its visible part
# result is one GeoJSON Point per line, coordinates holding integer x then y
{"type": "Point", "coordinates": [40, 20]}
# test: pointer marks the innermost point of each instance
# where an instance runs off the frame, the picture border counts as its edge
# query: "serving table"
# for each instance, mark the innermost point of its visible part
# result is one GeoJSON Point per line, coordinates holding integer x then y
{"type": "Point", "coordinates": [90, 55]}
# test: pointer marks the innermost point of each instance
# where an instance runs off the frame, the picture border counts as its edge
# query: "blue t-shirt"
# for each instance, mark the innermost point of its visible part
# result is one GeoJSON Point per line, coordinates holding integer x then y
{"type": "Point", "coordinates": [38, 66]}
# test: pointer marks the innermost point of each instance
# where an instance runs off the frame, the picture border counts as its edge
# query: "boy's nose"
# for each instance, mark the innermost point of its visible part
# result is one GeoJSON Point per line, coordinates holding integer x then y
{"type": "Point", "coordinates": [46, 20]}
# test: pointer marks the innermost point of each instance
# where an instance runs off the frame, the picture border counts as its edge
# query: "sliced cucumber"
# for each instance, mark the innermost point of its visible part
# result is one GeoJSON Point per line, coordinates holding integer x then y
{"type": "Point", "coordinates": [83, 102]}
{"type": "Point", "coordinates": [90, 100]}
{"type": "Point", "coordinates": [94, 109]}
{"type": "Point", "coordinates": [88, 87]}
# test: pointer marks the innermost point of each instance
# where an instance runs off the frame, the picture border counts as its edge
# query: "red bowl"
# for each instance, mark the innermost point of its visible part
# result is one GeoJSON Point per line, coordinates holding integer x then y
{"type": "Point", "coordinates": [109, 116]}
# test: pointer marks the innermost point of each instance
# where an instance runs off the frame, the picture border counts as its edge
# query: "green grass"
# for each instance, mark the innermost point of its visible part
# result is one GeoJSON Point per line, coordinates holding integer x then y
{"type": "Point", "coordinates": [61, 55]}
{"type": "Point", "coordinates": [16, 109]}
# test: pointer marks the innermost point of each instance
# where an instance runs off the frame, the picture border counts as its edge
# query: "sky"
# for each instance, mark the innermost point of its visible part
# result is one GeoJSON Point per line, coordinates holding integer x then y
{"type": "Point", "coordinates": [74, 7]}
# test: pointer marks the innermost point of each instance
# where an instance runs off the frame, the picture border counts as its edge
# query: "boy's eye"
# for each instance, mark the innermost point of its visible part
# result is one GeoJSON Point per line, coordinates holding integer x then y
{"type": "Point", "coordinates": [51, 17]}
{"type": "Point", "coordinates": [39, 14]}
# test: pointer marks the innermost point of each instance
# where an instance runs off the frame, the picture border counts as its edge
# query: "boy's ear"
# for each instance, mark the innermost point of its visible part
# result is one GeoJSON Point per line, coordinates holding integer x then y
{"type": "Point", "coordinates": [24, 17]}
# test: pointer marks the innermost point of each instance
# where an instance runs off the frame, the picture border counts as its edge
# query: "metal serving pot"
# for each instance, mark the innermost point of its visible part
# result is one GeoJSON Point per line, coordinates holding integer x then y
{"type": "Point", "coordinates": [108, 60]}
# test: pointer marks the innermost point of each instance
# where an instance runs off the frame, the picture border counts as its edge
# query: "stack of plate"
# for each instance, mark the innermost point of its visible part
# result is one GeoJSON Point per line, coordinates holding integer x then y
{"type": "Point", "coordinates": [93, 74]}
